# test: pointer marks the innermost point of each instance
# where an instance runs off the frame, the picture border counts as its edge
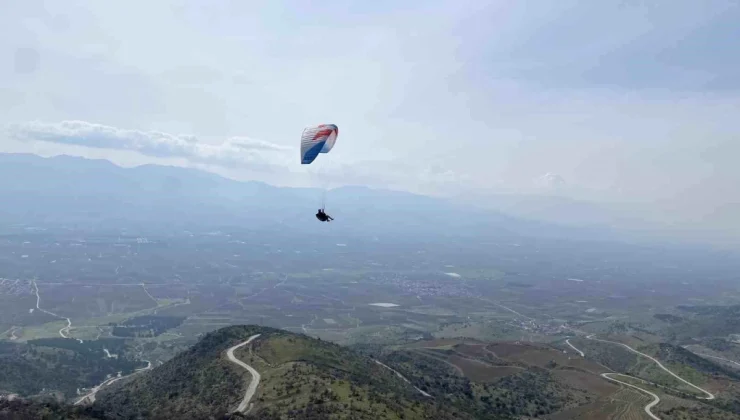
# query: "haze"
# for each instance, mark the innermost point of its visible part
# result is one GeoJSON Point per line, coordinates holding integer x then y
{"type": "Point", "coordinates": [627, 108]}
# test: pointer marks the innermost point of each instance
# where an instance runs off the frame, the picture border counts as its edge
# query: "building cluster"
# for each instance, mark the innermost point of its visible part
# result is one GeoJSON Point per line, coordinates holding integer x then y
{"type": "Point", "coordinates": [423, 287]}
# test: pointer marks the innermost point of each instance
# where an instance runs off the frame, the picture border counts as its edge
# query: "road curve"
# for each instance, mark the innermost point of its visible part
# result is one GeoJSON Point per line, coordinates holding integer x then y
{"type": "Point", "coordinates": [656, 399]}
{"type": "Point", "coordinates": [567, 341]}
{"type": "Point", "coordinates": [403, 377]}
{"type": "Point", "coordinates": [90, 396]}
{"type": "Point", "coordinates": [709, 396]}
{"type": "Point", "coordinates": [38, 303]}
{"type": "Point", "coordinates": [252, 388]}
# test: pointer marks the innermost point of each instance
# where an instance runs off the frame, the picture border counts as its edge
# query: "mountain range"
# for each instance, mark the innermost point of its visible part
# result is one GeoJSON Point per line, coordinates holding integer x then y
{"type": "Point", "coordinates": [96, 193]}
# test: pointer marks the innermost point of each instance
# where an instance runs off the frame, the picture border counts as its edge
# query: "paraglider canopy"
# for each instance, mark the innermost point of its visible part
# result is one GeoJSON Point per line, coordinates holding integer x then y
{"type": "Point", "coordinates": [317, 139]}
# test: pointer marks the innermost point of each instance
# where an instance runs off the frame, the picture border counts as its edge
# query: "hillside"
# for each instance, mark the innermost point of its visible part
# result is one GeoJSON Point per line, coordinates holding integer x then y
{"type": "Point", "coordinates": [18, 409]}
{"type": "Point", "coordinates": [706, 321]}
{"type": "Point", "coordinates": [501, 380]}
{"type": "Point", "coordinates": [305, 377]}
{"type": "Point", "coordinates": [196, 383]}
{"type": "Point", "coordinates": [61, 365]}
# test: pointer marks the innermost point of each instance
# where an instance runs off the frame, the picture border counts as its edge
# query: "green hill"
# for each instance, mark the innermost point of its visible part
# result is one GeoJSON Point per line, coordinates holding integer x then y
{"type": "Point", "coordinates": [305, 378]}
{"type": "Point", "coordinates": [302, 378]}
{"type": "Point", "coordinates": [197, 383]}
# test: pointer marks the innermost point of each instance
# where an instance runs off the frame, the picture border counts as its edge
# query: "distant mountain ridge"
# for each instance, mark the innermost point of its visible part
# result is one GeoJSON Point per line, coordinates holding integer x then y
{"type": "Point", "coordinates": [85, 192]}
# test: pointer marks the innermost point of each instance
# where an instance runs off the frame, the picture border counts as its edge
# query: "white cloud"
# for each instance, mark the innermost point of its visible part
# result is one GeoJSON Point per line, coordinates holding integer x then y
{"type": "Point", "coordinates": [237, 151]}
{"type": "Point", "coordinates": [241, 157]}
{"type": "Point", "coordinates": [247, 143]}
{"type": "Point", "coordinates": [550, 181]}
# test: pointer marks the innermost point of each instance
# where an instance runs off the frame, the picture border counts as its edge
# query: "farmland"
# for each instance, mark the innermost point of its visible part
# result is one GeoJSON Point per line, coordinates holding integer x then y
{"type": "Point", "coordinates": [435, 314]}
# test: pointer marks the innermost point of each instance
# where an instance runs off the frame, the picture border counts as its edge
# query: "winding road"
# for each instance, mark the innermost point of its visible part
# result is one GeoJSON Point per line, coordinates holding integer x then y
{"type": "Point", "coordinates": [90, 397]}
{"type": "Point", "coordinates": [567, 341]}
{"type": "Point", "coordinates": [608, 376]}
{"type": "Point", "coordinates": [252, 388]}
{"type": "Point", "coordinates": [403, 377]}
{"type": "Point", "coordinates": [656, 399]}
{"type": "Point", "coordinates": [709, 395]}
{"type": "Point", "coordinates": [69, 321]}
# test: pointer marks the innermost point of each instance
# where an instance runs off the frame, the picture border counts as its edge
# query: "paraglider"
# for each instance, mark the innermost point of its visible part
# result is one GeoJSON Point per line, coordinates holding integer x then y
{"type": "Point", "coordinates": [314, 141]}
{"type": "Point", "coordinates": [321, 215]}
{"type": "Point", "coordinates": [318, 139]}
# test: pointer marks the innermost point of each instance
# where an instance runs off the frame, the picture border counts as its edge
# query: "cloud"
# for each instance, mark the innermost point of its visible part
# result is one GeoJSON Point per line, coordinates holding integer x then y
{"type": "Point", "coordinates": [550, 181]}
{"type": "Point", "coordinates": [247, 143]}
{"type": "Point", "coordinates": [236, 151]}
{"type": "Point", "coordinates": [243, 157]}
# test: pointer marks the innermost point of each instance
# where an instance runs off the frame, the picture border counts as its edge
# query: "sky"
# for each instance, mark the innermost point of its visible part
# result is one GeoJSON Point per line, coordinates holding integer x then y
{"type": "Point", "coordinates": [632, 104]}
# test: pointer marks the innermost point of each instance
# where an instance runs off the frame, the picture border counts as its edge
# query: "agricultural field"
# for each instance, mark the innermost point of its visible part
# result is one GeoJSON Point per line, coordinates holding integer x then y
{"type": "Point", "coordinates": [431, 312]}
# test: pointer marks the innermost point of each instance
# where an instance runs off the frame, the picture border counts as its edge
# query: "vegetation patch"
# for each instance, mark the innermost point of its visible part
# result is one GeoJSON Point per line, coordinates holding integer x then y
{"type": "Point", "coordinates": [146, 326]}
{"type": "Point", "coordinates": [63, 365]}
